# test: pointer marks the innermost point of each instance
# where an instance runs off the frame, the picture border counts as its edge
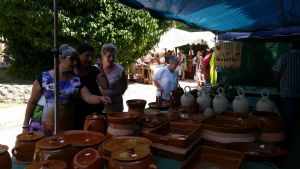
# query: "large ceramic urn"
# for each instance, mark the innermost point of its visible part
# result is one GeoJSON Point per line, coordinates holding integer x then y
{"type": "Point", "coordinates": [5, 160]}
{"type": "Point", "coordinates": [121, 123]}
{"type": "Point", "coordinates": [55, 148]}
{"type": "Point", "coordinates": [264, 103]}
{"type": "Point", "coordinates": [95, 122]}
{"type": "Point", "coordinates": [132, 157]}
{"type": "Point", "coordinates": [240, 103]}
{"type": "Point", "coordinates": [220, 102]}
{"type": "Point", "coordinates": [88, 159]}
{"type": "Point", "coordinates": [187, 98]}
{"type": "Point", "coordinates": [203, 100]}
{"type": "Point", "coordinates": [23, 151]}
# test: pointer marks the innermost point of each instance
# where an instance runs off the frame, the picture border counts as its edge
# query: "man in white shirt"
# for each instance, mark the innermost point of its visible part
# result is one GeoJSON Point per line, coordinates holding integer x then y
{"type": "Point", "coordinates": [166, 78]}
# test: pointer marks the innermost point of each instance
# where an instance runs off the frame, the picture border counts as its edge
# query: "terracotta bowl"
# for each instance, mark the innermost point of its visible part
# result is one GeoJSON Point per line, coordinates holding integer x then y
{"type": "Point", "coordinates": [163, 106]}
{"type": "Point", "coordinates": [88, 159]}
{"type": "Point", "coordinates": [118, 142]}
{"type": "Point", "coordinates": [136, 105]}
{"type": "Point", "coordinates": [83, 138]}
{"type": "Point", "coordinates": [230, 124]}
{"type": "Point", "coordinates": [122, 117]}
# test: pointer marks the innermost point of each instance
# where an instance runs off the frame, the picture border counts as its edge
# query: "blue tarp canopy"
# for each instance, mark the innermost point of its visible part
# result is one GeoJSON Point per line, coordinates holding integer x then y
{"type": "Point", "coordinates": [259, 35]}
{"type": "Point", "coordinates": [225, 15]}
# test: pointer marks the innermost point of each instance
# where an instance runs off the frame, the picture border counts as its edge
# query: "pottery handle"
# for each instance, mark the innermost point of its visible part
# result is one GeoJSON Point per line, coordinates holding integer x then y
{"type": "Point", "coordinates": [188, 88]}
{"type": "Point", "coordinates": [89, 127]}
{"type": "Point", "coordinates": [241, 92]}
{"type": "Point", "coordinates": [265, 93]}
{"type": "Point", "coordinates": [14, 151]}
{"type": "Point", "coordinates": [221, 91]}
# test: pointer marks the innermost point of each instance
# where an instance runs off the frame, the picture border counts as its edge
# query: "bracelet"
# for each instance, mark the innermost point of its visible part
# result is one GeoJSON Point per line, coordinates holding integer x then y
{"type": "Point", "coordinates": [25, 126]}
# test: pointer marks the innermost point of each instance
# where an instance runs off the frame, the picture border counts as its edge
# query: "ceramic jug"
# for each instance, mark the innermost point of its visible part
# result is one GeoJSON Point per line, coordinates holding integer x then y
{"type": "Point", "coordinates": [5, 160]}
{"type": "Point", "coordinates": [187, 98]}
{"type": "Point", "coordinates": [240, 103]}
{"type": "Point", "coordinates": [203, 99]}
{"type": "Point", "coordinates": [220, 102]}
{"type": "Point", "coordinates": [264, 103]}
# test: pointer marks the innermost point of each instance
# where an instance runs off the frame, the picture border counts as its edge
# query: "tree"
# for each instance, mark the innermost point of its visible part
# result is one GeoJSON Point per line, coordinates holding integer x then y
{"type": "Point", "coordinates": [27, 29]}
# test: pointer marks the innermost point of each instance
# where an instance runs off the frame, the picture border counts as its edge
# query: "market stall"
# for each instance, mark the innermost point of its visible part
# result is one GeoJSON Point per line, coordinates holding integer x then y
{"type": "Point", "coordinates": [215, 127]}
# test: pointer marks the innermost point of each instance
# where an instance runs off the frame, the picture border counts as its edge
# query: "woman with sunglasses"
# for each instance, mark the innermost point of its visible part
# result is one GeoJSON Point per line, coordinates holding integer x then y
{"type": "Point", "coordinates": [40, 117]}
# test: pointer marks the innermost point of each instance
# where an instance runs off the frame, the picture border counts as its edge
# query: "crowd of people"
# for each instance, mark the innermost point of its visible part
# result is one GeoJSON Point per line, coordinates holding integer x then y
{"type": "Point", "coordinates": [199, 67]}
{"type": "Point", "coordinates": [84, 89]}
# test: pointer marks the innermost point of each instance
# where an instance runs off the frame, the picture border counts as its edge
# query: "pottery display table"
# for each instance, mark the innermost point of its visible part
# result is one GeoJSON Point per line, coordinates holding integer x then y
{"type": "Point", "coordinates": [166, 163]}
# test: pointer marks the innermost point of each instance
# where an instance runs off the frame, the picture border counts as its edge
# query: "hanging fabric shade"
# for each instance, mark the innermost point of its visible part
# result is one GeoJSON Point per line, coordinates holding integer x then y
{"type": "Point", "coordinates": [225, 15]}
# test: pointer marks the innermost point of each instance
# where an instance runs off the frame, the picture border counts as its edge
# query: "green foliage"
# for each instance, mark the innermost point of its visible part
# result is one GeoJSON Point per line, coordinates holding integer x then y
{"type": "Point", "coordinates": [27, 29]}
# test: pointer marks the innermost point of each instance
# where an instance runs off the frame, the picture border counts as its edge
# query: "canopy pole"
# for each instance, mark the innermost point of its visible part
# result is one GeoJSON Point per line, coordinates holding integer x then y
{"type": "Point", "coordinates": [56, 53]}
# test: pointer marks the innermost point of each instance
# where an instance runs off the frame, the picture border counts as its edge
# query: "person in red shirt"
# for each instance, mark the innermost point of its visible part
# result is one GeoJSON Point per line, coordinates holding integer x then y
{"type": "Point", "coordinates": [205, 67]}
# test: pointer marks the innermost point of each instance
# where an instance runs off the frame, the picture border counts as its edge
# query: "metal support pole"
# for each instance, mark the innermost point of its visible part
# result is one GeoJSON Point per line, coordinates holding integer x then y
{"type": "Point", "coordinates": [55, 52]}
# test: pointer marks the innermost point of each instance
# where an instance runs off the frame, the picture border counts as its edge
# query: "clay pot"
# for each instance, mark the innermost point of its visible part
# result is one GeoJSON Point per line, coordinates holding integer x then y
{"type": "Point", "coordinates": [220, 102]}
{"type": "Point", "coordinates": [203, 100]}
{"type": "Point", "coordinates": [240, 103]}
{"type": "Point", "coordinates": [55, 148]}
{"type": "Point", "coordinates": [132, 157]}
{"type": "Point", "coordinates": [187, 98]}
{"type": "Point", "coordinates": [264, 103]}
{"type": "Point", "coordinates": [136, 105]}
{"type": "Point", "coordinates": [48, 164]}
{"type": "Point", "coordinates": [88, 159]}
{"type": "Point", "coordinates": [23, 151]}
{"type": "Point", "coordinates": [121, 123]}
{"type": "Point", "coordinates": [272, 127]}
{"type": "Point", "coordinates": [176, 96]}
{"type": "Point", "coordinates": [5, 160]}
{"type": "Point", "coordinates": [118, 142]}
{"type": "Point", "coordinates": [95, 122]}
{"type": "Point", "coordinates": [82, 139]}
{"type": "Point", "coordinates": [224, 129]}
